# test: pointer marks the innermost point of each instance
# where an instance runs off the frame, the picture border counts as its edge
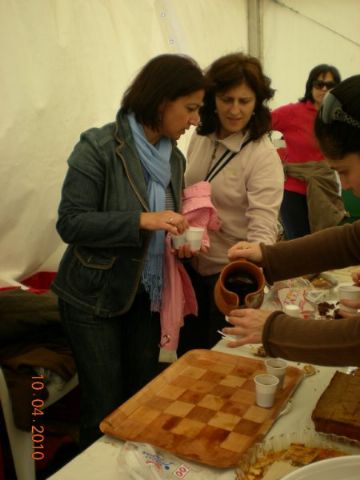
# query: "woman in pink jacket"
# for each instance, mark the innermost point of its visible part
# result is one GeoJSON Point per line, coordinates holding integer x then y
{"type": "Point", "coordinates": [296, 123]}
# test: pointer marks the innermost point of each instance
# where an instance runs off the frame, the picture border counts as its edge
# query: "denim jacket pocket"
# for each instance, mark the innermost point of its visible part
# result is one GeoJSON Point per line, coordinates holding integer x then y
{"type": "Point", "coordinates": [88, 258]}
{"type": "Point", "coordinates": [88, 272]}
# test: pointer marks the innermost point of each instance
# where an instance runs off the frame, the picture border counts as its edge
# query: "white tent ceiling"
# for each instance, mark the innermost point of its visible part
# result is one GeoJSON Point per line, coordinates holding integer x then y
{"type": "Point", "coordinates": [65, 64]}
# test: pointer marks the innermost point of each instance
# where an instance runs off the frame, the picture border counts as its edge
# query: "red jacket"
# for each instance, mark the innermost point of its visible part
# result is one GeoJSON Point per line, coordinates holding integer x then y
{"type": "Point", "coordinates": [296, 123]}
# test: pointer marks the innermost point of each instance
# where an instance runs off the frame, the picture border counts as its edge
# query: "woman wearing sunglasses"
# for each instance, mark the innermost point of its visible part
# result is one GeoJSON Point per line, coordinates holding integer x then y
{"type": "Point", "coordinates": [309, 182]}
{"type": "Point", "coordinates": [325, 342]}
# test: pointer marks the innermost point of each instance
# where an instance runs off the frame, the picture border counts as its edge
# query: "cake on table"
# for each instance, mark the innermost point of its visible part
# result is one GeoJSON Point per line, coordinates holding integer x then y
{"type": "Point", "coordinates": [338, 409]}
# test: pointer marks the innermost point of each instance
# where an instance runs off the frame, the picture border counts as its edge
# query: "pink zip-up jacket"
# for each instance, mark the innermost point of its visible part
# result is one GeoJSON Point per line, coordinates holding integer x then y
{"type": "Point", "coordinates": [178, 296]}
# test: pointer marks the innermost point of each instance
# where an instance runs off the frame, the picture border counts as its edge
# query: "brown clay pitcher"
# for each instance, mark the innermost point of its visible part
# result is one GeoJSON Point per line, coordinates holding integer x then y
{"type": "Point", "coordinates": [240, 285]}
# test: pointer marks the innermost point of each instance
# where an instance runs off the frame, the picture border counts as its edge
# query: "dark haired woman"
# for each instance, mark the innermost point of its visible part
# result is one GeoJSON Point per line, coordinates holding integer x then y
{"type": "Point", "coordinates": [324, 342]}
{"type": "Point", "coordinates": [232, 150]}
{"type": "Point", "coordinates": [120, 196]}
{"type": "Point", "coordinates": [303, 161]}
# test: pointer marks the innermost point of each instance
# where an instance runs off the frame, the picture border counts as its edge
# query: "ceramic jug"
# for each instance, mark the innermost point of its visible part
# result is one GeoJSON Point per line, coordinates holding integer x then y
{"type": "Point", "coordinates": [240, 285]}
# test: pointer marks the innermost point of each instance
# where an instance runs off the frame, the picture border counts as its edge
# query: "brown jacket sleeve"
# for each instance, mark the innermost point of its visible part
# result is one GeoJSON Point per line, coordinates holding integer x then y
{"type": "Point", "coordinates": [335, 247]}
{"type": "Point", "coordinates": [324, 342]}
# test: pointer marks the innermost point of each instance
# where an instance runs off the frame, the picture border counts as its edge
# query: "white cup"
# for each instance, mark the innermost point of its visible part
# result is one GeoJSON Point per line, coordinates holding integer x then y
{"type": "Point", "coordinates": [265, 388]}
{"type": "Point", "coordinates": [194, 237]}
{"type": "Point", "coordinates": [178, 240]}
{"type": "Point", "coordinates": [292, 310]}
{"type": "Point", "coordinates": [277, 367]}
{"type": "Point", "coordinates": [349, 292]}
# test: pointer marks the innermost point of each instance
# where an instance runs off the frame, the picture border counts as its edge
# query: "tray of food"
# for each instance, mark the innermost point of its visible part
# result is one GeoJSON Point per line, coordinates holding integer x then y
{"type": "Point", "coordinates": [278, 456]}
{"type": "Point", "coordinates": [202, 408]}
{"type": "Point", "coordinates": [323, 280]}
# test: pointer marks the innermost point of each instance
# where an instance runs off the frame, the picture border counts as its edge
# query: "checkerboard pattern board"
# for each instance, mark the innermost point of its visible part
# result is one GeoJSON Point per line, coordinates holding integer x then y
{"type": "Point", "coordinates": [201, 408]}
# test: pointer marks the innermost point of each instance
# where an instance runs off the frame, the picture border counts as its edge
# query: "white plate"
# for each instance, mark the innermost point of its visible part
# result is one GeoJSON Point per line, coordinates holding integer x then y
{"type": "Point", "coordinates": [339, 468]}
{"type": "Point", "coordinates": [325, 276]}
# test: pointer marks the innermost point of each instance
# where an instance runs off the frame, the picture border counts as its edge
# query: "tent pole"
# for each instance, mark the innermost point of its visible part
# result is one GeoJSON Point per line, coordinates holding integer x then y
{"type": "Point", "coordinates": [255, 26]}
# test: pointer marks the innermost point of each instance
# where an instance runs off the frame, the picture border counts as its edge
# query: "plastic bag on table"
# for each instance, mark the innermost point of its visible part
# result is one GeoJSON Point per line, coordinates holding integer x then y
{"type": "Point", "coordinates": [293, 292]}
{"type": "Point", "coordinates": [141, 461]}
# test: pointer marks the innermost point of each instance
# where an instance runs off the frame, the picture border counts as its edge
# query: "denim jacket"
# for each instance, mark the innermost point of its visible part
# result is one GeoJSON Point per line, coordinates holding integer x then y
{"type": "Point", "coordinates": [103, 195]}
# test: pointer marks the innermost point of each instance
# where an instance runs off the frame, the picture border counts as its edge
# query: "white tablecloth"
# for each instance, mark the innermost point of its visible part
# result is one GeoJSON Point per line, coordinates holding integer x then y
{"type": "Point", "coordinates": [99, 461]}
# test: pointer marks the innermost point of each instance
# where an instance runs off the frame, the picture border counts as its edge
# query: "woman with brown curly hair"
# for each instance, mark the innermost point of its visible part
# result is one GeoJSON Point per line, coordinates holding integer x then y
{"type": "Point", "coordinates": [231, 149]}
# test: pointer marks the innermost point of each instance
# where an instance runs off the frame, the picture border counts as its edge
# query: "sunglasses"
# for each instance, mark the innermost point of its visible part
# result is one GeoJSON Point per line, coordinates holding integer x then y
{"type": "Point", "coordinates": [320, 84]}
{"type": "Point", "coordinates": [331, 110]}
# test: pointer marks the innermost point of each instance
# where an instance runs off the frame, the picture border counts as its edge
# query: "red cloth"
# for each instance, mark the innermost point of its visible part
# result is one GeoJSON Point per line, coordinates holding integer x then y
{"type": "Point", "coordinates": [40, 281]}
{"type": "Point", "coordinates": [37, 283]}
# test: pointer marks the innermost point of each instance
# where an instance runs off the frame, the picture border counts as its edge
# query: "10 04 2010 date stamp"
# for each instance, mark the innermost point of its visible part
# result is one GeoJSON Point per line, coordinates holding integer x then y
{"type": "Point", "coordinates": [37, 429]}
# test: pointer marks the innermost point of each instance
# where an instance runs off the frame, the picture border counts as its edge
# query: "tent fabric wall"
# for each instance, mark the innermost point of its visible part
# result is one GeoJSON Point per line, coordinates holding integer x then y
{"type": "Point", "coordinates": [299, 34]}
{"type": "Point", "coordinates": [65, 64]}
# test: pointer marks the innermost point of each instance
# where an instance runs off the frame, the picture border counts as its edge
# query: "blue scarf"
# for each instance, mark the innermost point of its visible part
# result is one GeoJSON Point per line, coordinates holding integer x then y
{"type": "Point", "coordinates": [155, 160]}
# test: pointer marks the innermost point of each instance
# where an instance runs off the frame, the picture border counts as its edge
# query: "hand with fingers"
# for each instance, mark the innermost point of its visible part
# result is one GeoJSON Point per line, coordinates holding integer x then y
{"type": "Point", "coordinates": [248, 325]}
{"type": "Point", "coordinates": [250, 251]}
{"type": "Point", "coordinates": [353, 305]}
{"type": "Point", "coordinates": [167, 220]}
{"type": "Point", "coordinates": [356, 278]}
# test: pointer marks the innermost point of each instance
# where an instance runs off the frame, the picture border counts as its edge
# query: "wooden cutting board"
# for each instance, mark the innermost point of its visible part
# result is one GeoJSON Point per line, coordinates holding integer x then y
{"type": "Point", "coordinates": [202, 408]}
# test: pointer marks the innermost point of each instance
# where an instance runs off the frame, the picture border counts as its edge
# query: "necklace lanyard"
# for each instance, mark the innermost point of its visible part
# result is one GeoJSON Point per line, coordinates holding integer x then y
{"type": "Point", "coordinates": [223, 161]}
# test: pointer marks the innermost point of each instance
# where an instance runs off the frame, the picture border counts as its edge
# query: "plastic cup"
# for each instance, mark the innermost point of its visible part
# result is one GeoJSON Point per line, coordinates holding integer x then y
{"type": "Point", "coordinates": [277, 367]}
{"type": "Point", "coordinates": [178, 240]}
{"type": "Point", "coordinates": [194, 237]}
{"type": "Point", "coordinates": [292, 310]}
{"type": "Point", "coordinates": [265, 388]}
{"type": "Point", "coordinates": [349, 292]}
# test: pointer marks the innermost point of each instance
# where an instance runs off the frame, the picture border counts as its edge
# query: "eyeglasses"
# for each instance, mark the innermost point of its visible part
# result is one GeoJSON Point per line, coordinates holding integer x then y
{"type": "Point", "coordinates": [320, 84]}
{"type": "Point", "coordinates": [331, 110]}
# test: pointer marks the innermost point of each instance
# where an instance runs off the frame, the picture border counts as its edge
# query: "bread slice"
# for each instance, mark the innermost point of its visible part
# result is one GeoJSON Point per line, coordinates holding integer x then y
{"type": "Point", "coordinates": [338, 409]}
